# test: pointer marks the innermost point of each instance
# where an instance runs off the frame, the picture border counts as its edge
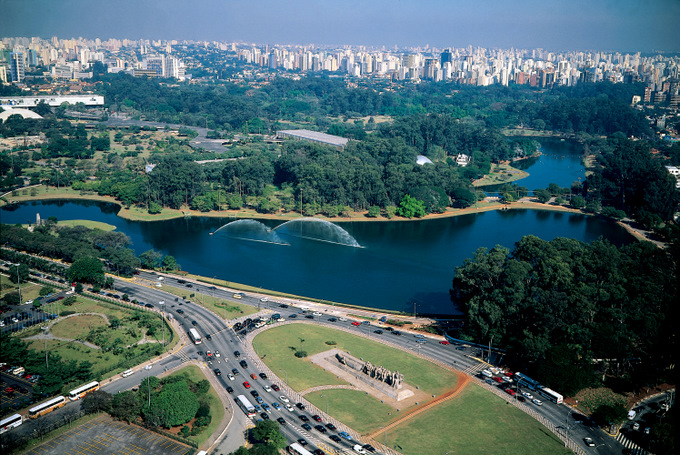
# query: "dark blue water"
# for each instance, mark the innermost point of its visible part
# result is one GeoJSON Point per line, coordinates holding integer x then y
{"type": "Point", "coordinates": [401, 262]}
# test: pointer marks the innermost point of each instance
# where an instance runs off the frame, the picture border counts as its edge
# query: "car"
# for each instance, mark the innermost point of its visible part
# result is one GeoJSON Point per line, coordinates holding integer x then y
{"type": "Point", "coordinates": [647, 430]}
{"type": "Point", "coordinates": [189, 285]}
{"type": "Point", "coordinates": [332, 319]}
{"type": "Point", "coordinates": [319, 452]}
{"type": "Point", "coordinates": [208, 337]}
{"type": "Point", "coordinates": [264, 299]}
{"type": "Point", "coordinates": [283, 305]}
{"type": "Point", "coordinates": [253, 376]}
{"type": "Point", "coordinates": [330, 426]}
{"type": "Point", "coordinates": [208, 353]}
{"type": "Point", "coordinates": [444, 342]}
{"type": "Point", "coordinates": [421, 341]}
{"type": "Point", "coordinates": [263, 376]}
{"type": "Point", "coordinates": [307, 426]}
{"type": "Point", "coordinates": [300, 406]}
{"type": "Point", "coordinates": [304, 418]}
{"type": "Point", "coordinates": [302, 442]}
{"type": "Point", "coordinates": [292, 316]}
{"type": "Point", "coordinates": [267, 388]}
{"type": "Point", "coordinates": [235, 371]}
{"type": "Point", "coordinates": [246, 384]}
{"type": "Point", "coordinates": [259, 400]}
{"type": "Point", "coordinates": [275, 387]}
{"type": "Point", "coordinates": [345, 435]}
{"type": "Point", "coordinates": [284, 399]}
{"type": "Point", "coordinates": [510, 391]}
{"type": "Point", "coordinates": [316, 417]}
{"type": "Point", "coordinates": [636, 426]}
{"type": "Point", "coordinates": [528, 395]}
{"type": "Point", "coordinates": [281, 420]}
{"type": "Point", "coordinates": [309, 316]}
{"type": "Point", "coordinates": [243, 364]}
{"type": "Point", "coordinates": [257, 407]}
{"type": "Point", "coordinates": [460, 348]}
{"type": "Point", "coordinates": [498, 379]}
{"type": "Point", "coordinates": [217, 372]}
{"type": "Point", "coordinates": [521, 398]}
{"type": "Point", "coordinates": [266, 407]}
{"type": "Point", "coordinates": [335, 437]}
{"type": "Point", "coordinates": [358, 448]}
{"type": "Point", "coordinates": [9, 389]}
{"type": "Point", "coordinates": [194, 323]}
{"type": "Point", "coordinates": [237, 354]}
{"type": "Point", "coordinates": [290, 407]}
{"type": "Point", "coordinates": [180, 311]}
{"type": "Point", "coordinates": [537, 402]}
{"type": "Point", "coordinates": [316, 313]}
{"type": "Point", "coordinates": [320, 428]}
{"type": "Point", "coordinates": [264, 416]}
{"type": "Point", "coordinates": [589, 442]}
{"type": "Point", "coordinates": [276, 406]}
{"type": "Point", "coordinates": [254, 393]}
{"type": "Point", "coordinates": [369, 448]}
{"type": "Point", "coordinates": [356, 323]}
{"type": "Point", "coordinates": [379, 332]}
{"type": "Point", "coordinates": [148, 305]}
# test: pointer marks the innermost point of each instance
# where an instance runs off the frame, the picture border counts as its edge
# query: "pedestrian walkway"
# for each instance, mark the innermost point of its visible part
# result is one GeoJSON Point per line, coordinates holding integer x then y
{"type": "Point", "coordinates": [630, 445]}
{"type": "Point", "coordinates": [474, 369]}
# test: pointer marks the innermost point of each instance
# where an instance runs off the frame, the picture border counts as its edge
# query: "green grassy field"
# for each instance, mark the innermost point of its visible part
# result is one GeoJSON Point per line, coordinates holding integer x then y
{"type": "Point", "coordinates": [278, 345]}
{"type": "Point", "coordinates": [360, 411]}
{"type": "Point", "coordinates": [476, 421]}
{"type": "Point", "coordinates": [77, 327]}
{"type": "Point", "coordinates": [88, 224]}
{"type": "Point", "coordinates": [195, 374]}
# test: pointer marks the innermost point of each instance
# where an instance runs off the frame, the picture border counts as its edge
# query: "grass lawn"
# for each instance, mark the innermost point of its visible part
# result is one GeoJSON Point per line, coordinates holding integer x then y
{"type": "Point", "coordinates": [77, 327]}
{"type": "Point", "coordinates": [276, 345]}
{"type": "Point", "coordinates": [476, 421]}
{"type": "Point", "coordinates": [6, 284]}
{"type": "Point", "coordinates": [88, 224]}
{"type": "Point", "coordinates": [218, 306]}
{"type": "Point", "coordinates": [501, 173]}
{"type": "Point", "coordinates": [356, 409]}
{"type": "Point", "coordinates": [195, 374]}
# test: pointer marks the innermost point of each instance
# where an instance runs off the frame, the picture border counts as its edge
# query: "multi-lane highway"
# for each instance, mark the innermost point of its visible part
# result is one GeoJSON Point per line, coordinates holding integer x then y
{"type": "Point", "coordinates": [218, 336]}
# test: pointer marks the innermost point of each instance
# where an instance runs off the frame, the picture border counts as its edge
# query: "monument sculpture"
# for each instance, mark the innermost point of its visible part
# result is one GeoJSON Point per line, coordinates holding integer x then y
{"type": "Point", "coordinates": [379, 373]}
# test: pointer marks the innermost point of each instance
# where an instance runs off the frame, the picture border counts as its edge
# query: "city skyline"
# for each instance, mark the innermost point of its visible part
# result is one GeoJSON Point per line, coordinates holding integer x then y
{"type": "Point", "coordinates": [628, 25]}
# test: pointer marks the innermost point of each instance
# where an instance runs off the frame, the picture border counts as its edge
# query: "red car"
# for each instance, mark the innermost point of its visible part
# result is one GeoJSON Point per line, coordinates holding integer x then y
{"type": "Point", "coordinates": [275, 387]}
{"type": "Point", "coordinates": [9, 389]}
{"type": "Point", "coordinates": [246, 385]}
{"type": "Point", "coordinates": [356, 323]}
{"type": "Point", "coordinates": [254, 376]}
{"type": "Point", "coordinates": [497, 379]}
{"type": "Point", "coordinates": [444, 342]}
{"type": "Point", "coordinates": [510, 391]}
{"type": "Point", "coordinates": [317, 418]}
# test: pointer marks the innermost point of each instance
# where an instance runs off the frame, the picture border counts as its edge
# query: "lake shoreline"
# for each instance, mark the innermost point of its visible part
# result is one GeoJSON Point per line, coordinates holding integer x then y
{"type": "Point", "coordinates": [168, 214]}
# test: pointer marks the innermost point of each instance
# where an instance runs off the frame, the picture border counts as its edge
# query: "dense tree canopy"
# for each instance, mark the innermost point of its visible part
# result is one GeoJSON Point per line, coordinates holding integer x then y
{"type": "Point", "coordinates": [558, 305]}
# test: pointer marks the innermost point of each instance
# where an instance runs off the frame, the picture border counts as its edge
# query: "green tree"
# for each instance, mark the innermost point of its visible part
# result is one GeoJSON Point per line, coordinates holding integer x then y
{"type": "Point", "coordinates": [18, 273]}
{"type": "Point", "coordinates": [410, 207]}
{"type": "Point", "coordinates": [373, 211]}
{"type": "Point", "coordinates": [268, 432]}
{"type": "Point", "coordinates": [126, 406]}
{"type": "Point", "coordinates": [151, 259]}
{"type": "Point", "coordinates": [169, 263]}
{"type": "Point", "coordinates": [87, 270]}
{"type": "Point", "coordinates": [174, 405]}
{"type": "Point", "coordinates": [98, 401]}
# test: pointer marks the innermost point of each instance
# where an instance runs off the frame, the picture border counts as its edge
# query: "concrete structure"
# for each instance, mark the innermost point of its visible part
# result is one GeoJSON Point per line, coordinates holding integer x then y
{"type": "Point", "coordinates": [25, 113]}
{"type": "Point", "coordinates": [313, 136]}
{"type": "Point", "coordinates": [422, 160]}
{"type": "Point", "coordinates": [51, 100]}
{"type": "Point", "coordinates": [675, 172]}
{"type": "Point", "coordinates": [16, 66]}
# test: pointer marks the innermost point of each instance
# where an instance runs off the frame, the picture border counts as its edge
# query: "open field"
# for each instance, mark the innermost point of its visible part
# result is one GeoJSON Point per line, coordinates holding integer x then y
{"type": "Point", "coordinates": [77, 327]}
{"type": "Point", "coordinates": [195, 374]}
{"type": "Point", "coordinates": [476, 421]}
{"type": "Point", "coordinates": [355, 408]}
{"type": "Point", "coordinates": [278, 345]}
{"type": "Point", "coordinates": [220, 307]}
{"type": "Point", "coordinates": [88, 224]}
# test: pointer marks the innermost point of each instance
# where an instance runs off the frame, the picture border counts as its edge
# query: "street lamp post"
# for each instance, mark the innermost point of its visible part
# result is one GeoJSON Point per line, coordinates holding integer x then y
{"type": "Point", "coordinates": [18, 280]}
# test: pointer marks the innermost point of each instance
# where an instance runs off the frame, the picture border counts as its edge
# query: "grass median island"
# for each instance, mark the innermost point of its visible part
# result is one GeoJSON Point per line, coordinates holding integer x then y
{"type": "Point", "coordinates": [359, 411]}
{"type": "Point", "coordinates": [194, 374]}
{"type": "Point", "coordinates": [279, 345]}
{"type": "Point", "coordinates": [88, 224]}
{"type": "Point", "coordinates": [219, 306]}
{"type": "Point", "coordinates": [476, 421]}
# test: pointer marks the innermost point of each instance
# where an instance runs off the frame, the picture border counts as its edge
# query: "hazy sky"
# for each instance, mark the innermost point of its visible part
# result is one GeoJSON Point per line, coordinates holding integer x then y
{"type": "Point", "coordinates": [624, 25]}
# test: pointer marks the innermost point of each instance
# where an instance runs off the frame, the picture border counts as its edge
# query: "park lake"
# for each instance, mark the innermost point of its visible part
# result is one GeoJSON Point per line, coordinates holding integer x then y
{"type": "Point", "coordinates": [393, 265]}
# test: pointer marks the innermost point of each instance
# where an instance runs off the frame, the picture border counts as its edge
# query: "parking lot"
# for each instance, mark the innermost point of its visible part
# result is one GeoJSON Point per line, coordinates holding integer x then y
{"type": "Point", "coordinates": [104, 436]}
{"type": "Point", "coordinates": [14, 392]}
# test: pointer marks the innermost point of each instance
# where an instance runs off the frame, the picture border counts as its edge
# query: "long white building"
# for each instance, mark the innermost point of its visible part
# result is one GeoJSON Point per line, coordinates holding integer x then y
{"type": "Point", "coordinates": [51, 100]}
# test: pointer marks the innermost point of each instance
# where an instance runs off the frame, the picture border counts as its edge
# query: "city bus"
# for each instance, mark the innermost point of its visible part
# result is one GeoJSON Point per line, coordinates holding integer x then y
{"type": "Point", "coordinates": [195, 337]}
{"type": "Point", "coordinates": [297, 449]}
{"type": "Point", "coordinates": [10, 422]}
{"type": "Point", "coordinates": [245, 405]}
{"type": "Point", "coordinates": [551, 395]}
{"type": "Point", "coordinates": [526, 381]}
{"type": "Point", "coordinates": [46, 407]}
{"type": "Point", "coordinates": [80, 392]}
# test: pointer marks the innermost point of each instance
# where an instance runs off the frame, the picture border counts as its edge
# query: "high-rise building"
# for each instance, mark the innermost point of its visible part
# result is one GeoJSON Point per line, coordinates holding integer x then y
{"type": "Point", "coordinates": [16, 66]}
{"type": "Point", "coordinates": [446, 57]}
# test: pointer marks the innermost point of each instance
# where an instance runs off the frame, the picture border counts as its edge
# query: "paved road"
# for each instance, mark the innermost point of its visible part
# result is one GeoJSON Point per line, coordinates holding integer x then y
{"type": "Point", "coordinates": [224, 340]}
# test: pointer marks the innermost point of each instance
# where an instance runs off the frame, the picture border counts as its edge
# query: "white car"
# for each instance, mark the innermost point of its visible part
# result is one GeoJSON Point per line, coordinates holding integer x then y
{"type": "Point", "coordinates": [264, 299]}
{"type": "Point", "coordinates": [28, 302]}
{"type": "Point", "coordinates": [316, 313]}
{"type": "Point", "coordinates": [528, 395]}
{"type": "Point", "coordinates": [342, 319]}
{"type": "Point", "coordinates": [231, 377]}
{"type": "Point", "coordinates": [358, 449]}
{"type": "Point", "coordinates": [537, 402]}
{"type": "Point", "coordinates": [217, 354]}
{"type": "Point", "coordinates": [290, 407]}
{"type": "Point", "coordinates": [148, 367]}
{"type": "Point", "coordinates": [284, 399]}
{"type": "Point", "coordinates": [267, 388]}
